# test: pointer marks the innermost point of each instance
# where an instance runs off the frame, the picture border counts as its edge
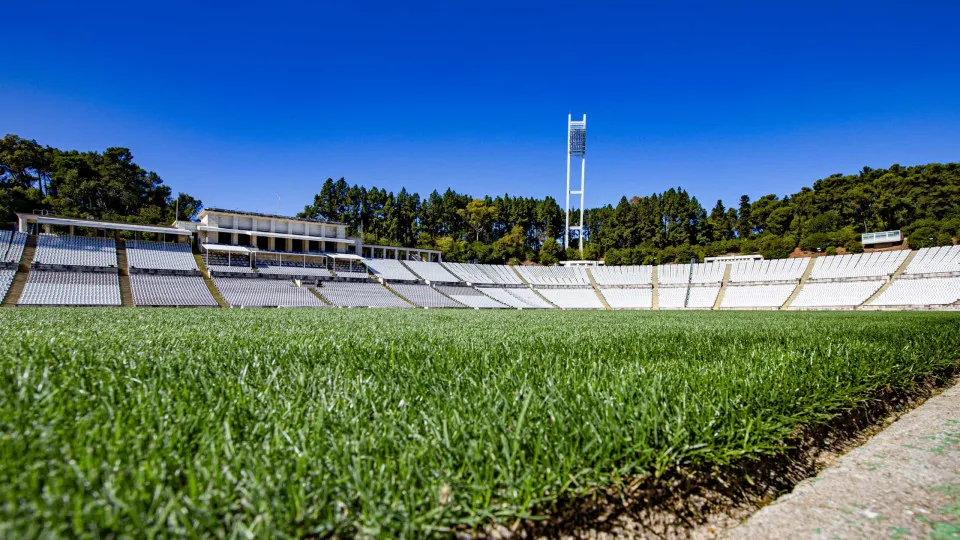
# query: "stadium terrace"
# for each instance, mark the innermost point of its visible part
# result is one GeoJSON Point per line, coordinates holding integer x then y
{"type": "Point", "coordinates": [244, 259]}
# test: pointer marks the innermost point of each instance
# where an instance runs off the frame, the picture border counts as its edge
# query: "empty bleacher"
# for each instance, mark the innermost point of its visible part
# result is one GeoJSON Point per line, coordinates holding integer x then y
{"type": "Point", "coordinates": [573, 298]}
{"type": "Point", "coordinates": [769, 271]}
{"type": "Point", "coordinates": [628, 298]}
{"type": "Point", "coordinates": [672, 297]}
{"type": "Point", "coordinates": [170, 290]}
{"type": "Point", "coordinates": [65, 288]}
{"type": "Point", "coordinates": [390, 269]}
{"type": "Point", "coordinates": [259, 292]}
{"type": "Point", "coordinates": [360, 294]}
{"type": "Point", "coordinates": [234, 263]}
{"type": "Point", "coordinates": [508, 298]}
{"type": "Point", "coordinates": [6, 279]}
{"type": "Point", "coordinates": [836, 294]}
{"type": "Point", "coordinates": [944, 261]}
{"type": "Point", "coordinates": [63, 252]}
{"type": "Point", "coordinates": [160, 256]}
{"type": "Point", "coordinates": [756, 296]}
{"type": "Point", "coordinates": [858, 266]}
{"type": "Point", "coordinates": [623, 275]}
{"type": "Point", "coordinates": [679, 274]}
{"type": "Point", "coordinates": [539, 276]}
{"type": "Point", "coordinates": [350, 270]}
{"type": "Point", "coordinates": [432, 272]}
{"type": "Point", "coordinates": [424, 295]}
{"type": "Point", "coordinates": [307, 270]}
{"type": "Point", "coordinates": [470, 297]}
{"type": "Point", "coordinates": [922, 292]}
{"type": "Point", "coordinates": [702, 297]}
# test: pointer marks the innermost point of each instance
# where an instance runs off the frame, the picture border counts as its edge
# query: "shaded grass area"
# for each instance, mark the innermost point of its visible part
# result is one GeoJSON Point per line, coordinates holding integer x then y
{"type": "Point", "coordinates": [365, 422]}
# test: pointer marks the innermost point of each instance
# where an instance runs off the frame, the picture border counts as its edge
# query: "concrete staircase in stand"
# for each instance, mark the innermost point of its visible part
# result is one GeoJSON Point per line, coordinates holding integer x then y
{"type": "Point", "coordinates": [803, 281]}
{"type": "Point", "coordinates": [209, 282]}
{"type": "Point", "coordinates": [126, 291]}
{"type": "Point", "coordinates": [897, 274]}
{"type": "Point", "coordinates": [23, 272]}
{"type": "Point", "coordinates": [596, 289]}
{"type": "Point", "coordinates": [723, 286]}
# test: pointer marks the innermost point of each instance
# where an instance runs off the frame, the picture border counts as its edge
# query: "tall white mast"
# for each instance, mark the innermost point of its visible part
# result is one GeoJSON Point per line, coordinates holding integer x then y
{"type": "Point", "coordinates": [576, 147]}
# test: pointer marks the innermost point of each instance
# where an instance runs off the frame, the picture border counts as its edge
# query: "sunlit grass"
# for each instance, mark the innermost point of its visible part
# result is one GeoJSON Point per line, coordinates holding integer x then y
{"type": "Point", "coordinates": [303, 422]}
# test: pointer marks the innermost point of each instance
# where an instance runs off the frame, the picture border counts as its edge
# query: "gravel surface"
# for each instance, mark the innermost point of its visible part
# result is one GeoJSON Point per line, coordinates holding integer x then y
{"type": "Point", "coordinates": [902, 483]}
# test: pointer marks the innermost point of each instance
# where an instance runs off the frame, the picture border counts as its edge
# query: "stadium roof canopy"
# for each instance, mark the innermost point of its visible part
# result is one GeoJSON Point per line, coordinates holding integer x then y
{"type": "Point", "coordinates": [47, 219]}
{"type": "Point", "coordinates": [225, 248]}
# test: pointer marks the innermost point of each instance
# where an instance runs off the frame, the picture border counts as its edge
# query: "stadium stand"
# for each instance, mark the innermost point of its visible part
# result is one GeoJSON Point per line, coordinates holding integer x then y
{"type": "Point", "coordinates": [424, 295]}
{"type": "Point", "coordinates": [623, 275]}
{"type": "Point", "coordinates": [56, 251]}
{"type": "Point", "coordinates": [160, 256]}
{"type": "Point", "coordinates": [702, 297]}
{"type": "Point", "coordinates": [6, 279]}
{"type": "Point", "coordinates": [579, 298]}
{"type": "Point", "coordinates": [680, 274]}
{"type": "Point", "coordinates": [470, 297]}
{"type": "Point", "coordinates": [920, 292]}
{"type": "Point", "coordinates": [506, 298]}
{"type": "Point", "coordinates": [770, 271]}
{"type": "Point", "coordinates": [502, 274]}
{"type": "Point", "coordinates": [943, 260]}
{"type": "Point", "coordinates": [554, 275]}
{"type": "Point", "coordinates": [858, 266]}
{"type": "Point", "coordinates": [633, 298]}
{"type": "Point", "coordinates": [757, 296]}
{"type": "Point", "coordinates": [257, 292]}
{"type": "Point", "coordinates": [359, 294]}
{"type": "Point", "coordinates": [11, 249]}
{"type": "Point", "coordinates": [390, 269]}
{"type": "Point", "coordinates": [56, 288]}
{"type": "Point", "coordinates": [672, 297]}
{"type": "Point", "coordinates": [471, 273]}
{"type": "Point", "coordinates": [432, 272]}
{"type": "Point", "coordinates": [170, 290]}
{"type": "Point", "coordinates": [836, 294]}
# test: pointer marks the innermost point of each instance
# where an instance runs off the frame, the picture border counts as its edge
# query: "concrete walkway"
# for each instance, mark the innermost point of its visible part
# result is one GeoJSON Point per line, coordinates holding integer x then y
{"type": "Point", "coordinates": [903, 483]}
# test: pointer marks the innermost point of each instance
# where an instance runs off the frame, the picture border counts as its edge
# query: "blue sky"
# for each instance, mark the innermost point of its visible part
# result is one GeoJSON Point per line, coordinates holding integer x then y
{"type": "Point", "coordinates": [239, 103]}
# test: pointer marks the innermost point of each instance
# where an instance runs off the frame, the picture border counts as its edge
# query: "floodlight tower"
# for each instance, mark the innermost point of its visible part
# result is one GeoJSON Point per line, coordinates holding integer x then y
{"type": "Point", "coordinates": [576, 147]}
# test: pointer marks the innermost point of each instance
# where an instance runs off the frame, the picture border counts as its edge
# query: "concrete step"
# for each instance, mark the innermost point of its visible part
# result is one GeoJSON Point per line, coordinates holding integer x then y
{"type": "Point", "coordinates": [723, 286]}
{"type": "Point", "coordinates": [126, 290]}
{"type": "Point", "coordinates": [23, 272]}
{"type": "Point", "coordinates": [596, 289]}
{"type": "Point", "coordinates": [803, 281]}
{"type": "Point", "coordinates": [209, 282]}
{"type": "Point", "coordinates": [897, 274]}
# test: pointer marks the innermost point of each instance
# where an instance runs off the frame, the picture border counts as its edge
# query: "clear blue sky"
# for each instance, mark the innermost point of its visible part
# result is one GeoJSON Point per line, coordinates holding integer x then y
{"type": "Point", "coordinates": [241, 102]}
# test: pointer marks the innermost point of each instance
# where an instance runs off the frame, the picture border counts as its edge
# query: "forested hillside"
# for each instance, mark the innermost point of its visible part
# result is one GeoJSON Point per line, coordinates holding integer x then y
{"type": "Point", "coordinates": [107, 185]}
{"type": "Point", "coordinates": [923, 200]}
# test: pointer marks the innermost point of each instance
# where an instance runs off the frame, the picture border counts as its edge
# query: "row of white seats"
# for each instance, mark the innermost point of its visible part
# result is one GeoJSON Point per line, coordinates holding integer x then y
{"type": "Point", "coordinates": [58, 250]}
{"type": "Point", "coordinates": [679, 274]}
{"type": "Point", "coordinates": [921, 292]}
{"type": "Point", "coordinates": [424, 295]}
{"type": "Point", "coordinates": [769, 270]}
{"type": "Point", "coordinates": [160, 256]}
{"type": "Point", "coordinates": [836, 294]}
{"type": "Point", "coordinates": [11, 250]}
{"type": "Point", "coordinates": [693, 297]}
{"type": "Point", "coordinates": [756, 296]}
{"type": "Point", "coordinates": [172, 290]}
{"type": "Point", "coordinates": [484, 274]}
{"type": "Point", "coordinates": [622, 275]}
{"type": "Point", "coordinates": [53, 288]}
{"type": "Point", "coordinates": [470, 297]}
{"type": "Point", "coordinates": [260, 292]}
{"type": "Point", "coordinates": [432, 272]}
{"type": "Point", "coordinates": [390, 269]}
{"type": "Point", "coordinates": [516, 297]}
{"type": "Point", "coordinates": [860, 265]}
{"type": "Point", "coordinates": [353, 294]}
{"type": "Point", "coordinates": [938, 260]}
{"type": "Point", "coordinates": [579, 298]}
{"type": "Point", "coordinates": [6, 279]}
{"type": "Point", "coordinates": [554, 275]}
{"type": "Point", "coordinates": [632, 298]}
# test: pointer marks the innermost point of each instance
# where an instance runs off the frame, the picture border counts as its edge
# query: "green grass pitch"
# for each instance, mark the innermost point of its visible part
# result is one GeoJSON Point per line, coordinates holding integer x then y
{"type": "Point", "coordinates": [148, 422]}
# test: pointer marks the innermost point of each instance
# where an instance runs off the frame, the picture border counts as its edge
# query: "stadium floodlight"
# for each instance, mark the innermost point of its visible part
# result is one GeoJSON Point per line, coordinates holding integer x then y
{"type": "Point", "coordinates": [576, 147]}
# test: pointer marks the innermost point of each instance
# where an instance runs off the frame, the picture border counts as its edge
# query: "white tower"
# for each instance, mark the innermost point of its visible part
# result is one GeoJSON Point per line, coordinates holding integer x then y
{"type": "Point", "coordinates": [576, 147]}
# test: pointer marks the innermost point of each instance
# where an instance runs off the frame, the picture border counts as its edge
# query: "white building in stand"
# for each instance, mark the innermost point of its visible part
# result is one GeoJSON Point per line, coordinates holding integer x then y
{"type": "Point", "coordinates": [267, 232]}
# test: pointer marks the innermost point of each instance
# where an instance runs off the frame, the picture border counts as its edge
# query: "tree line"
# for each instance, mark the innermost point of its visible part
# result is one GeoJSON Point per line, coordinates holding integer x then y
{"type": "Point", "coordinates": [106, 185]}
{"type": "Point", "coordinates": [921, 200]}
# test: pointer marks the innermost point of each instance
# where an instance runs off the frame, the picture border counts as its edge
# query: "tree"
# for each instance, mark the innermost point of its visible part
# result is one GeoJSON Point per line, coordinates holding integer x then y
{"type": "Point", "coordinates": [550, 252]}
{"type": "Point", "coordinates": [478, 215]}
{"type": "Point", "coordinates": [744, 223]}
